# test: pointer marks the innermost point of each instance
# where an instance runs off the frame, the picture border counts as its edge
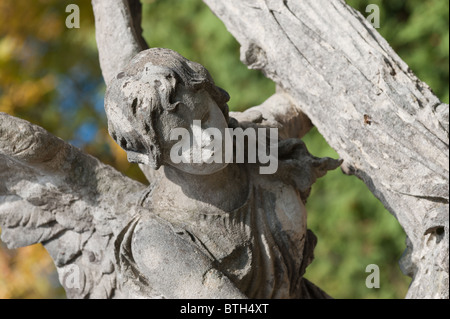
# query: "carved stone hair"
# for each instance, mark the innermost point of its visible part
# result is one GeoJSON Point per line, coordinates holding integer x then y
{"type": "Point", "coordinates": [146, 88]}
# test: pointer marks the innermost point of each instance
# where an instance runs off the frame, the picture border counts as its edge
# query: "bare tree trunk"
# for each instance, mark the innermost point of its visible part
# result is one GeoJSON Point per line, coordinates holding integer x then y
{"type": "Point", "coordinates": [387, 125]}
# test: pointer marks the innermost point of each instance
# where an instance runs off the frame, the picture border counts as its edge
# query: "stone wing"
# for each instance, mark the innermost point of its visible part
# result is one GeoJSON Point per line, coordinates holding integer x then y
{"type": "Point", "coordinates": [52, 193]}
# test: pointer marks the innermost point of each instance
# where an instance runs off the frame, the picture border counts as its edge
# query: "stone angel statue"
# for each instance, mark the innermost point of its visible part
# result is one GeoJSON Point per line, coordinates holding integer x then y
{"type": "Point", "coordinates": [203, 228]}
{"type": "Point", "coordinates": [200, 230]}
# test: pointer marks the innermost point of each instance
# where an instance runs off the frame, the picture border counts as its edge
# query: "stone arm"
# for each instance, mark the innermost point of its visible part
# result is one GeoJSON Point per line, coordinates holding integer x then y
{"type": "Point", "coordinates": [168, 264]}
{"type": "Point", "coordinates": [118, 34]}
{"type": "Point", "coordinates": [279, 111]}
{"type": "Point", "coordinates": [54, 194]}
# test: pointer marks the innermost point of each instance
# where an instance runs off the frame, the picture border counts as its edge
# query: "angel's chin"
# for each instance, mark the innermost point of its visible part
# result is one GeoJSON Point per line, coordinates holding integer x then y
{"type": "Point", "coordinates": [201, 168]}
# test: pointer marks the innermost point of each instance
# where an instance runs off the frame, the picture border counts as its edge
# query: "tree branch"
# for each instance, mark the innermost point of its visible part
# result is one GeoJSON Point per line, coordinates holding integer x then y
{"type": "Point", "coordinates": [387, 125]}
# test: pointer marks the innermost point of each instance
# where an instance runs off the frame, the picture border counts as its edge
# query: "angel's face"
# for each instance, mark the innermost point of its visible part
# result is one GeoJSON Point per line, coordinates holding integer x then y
{"type": "Point", "coordinates": [187, 133]}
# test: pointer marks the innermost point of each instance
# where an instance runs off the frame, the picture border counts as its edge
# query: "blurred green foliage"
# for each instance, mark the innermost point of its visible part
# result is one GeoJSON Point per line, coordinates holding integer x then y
{"type": "Point", "coordinates": [353, 228]}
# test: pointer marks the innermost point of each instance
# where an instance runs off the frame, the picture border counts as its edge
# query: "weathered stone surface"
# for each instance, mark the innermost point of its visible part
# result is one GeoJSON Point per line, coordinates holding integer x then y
{"type": "Point", "coordinates": [118, 32]}
{"type": "Point", "coordinates": [237, 233]}
{"type": "Point", "coordinates": [51, 192]}
{"type": "Point", "coordinates": [201, 230]}
{"type": "Point", "coordinates": [387, 125]}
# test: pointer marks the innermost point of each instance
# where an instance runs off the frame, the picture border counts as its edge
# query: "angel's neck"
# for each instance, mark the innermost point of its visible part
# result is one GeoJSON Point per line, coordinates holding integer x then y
{"type": "Point", "coordinates": [226, 189]}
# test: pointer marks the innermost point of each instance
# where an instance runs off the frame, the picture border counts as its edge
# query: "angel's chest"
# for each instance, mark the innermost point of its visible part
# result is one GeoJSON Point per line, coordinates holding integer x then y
{"type": "Point", "coordinates": [261, 241]}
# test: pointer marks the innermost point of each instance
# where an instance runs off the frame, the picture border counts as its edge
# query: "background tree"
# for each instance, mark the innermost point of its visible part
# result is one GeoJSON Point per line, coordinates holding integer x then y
{"type": "Point", "coordinates": [50, 76]}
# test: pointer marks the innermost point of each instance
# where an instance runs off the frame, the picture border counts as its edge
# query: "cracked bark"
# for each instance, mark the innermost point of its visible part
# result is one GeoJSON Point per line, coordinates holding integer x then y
{"type": "Point", "coordinates": [387, 125]}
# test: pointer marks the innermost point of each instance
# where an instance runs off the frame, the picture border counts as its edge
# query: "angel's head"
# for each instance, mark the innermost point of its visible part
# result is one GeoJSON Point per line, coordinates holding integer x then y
{"type": "Point", "coordinates": [158, 91]}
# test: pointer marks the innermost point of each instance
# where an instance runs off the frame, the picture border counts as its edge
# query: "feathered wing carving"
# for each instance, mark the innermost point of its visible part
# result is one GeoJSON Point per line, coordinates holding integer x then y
{"type": "Point", "coordinates": [52, 193]}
